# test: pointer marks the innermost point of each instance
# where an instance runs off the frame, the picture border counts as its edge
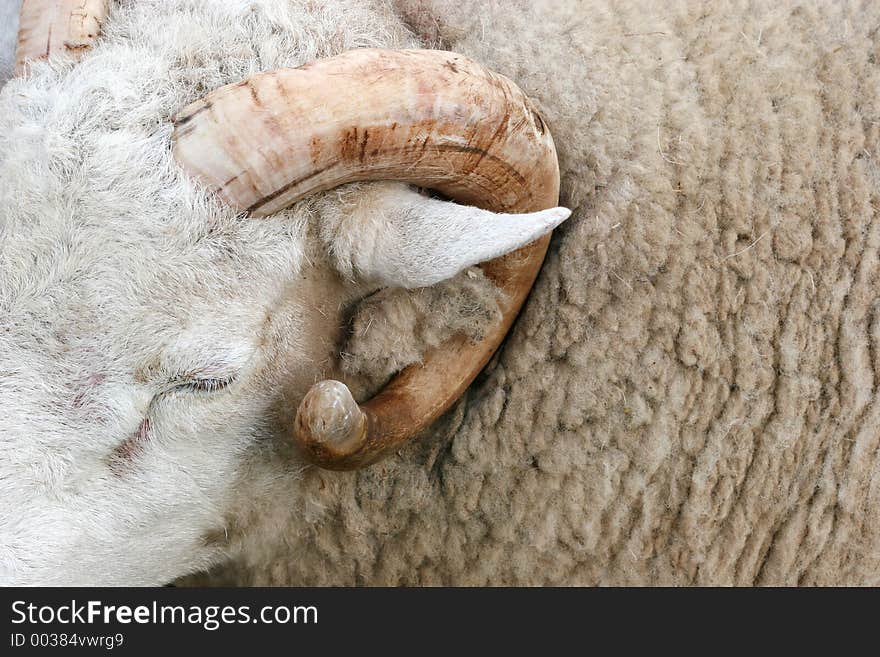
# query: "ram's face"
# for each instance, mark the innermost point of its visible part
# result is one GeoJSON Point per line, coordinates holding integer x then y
{"type": "Point", "coordinates": [119, 438]}
{"type": "Point", "coordinates": [144, 342]}
{"type": "Point", "coordinates": [151, 333]}
{"type": "Point", "coordinates": [148, 335]}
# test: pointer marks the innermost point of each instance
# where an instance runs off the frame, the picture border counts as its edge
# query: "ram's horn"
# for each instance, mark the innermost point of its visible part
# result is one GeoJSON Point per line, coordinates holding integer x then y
{"type": "Point", "coordinates": [49, 27]}
{"type": "Point", "coordinates": [431, 118]}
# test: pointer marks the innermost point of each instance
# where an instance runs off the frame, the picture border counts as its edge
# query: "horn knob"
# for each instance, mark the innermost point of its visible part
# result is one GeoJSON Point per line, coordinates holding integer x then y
{"type": "Point", "coordinates": [329, 424]}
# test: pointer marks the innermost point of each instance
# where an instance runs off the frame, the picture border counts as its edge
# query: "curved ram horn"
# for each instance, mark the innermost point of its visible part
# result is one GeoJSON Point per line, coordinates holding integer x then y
{"type": "Point", "coordinates": [431, 118]}
{"type": "Point", "coordinates": [48, 27]}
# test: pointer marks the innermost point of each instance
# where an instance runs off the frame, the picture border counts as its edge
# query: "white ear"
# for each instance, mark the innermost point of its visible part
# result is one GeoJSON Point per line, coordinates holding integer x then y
{"type": "Point", "coordinates": [410, 240]}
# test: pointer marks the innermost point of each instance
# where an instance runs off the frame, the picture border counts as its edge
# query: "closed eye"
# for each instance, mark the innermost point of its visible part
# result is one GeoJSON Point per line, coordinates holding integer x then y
{"type": "Point", "coordinates": [203, 384]}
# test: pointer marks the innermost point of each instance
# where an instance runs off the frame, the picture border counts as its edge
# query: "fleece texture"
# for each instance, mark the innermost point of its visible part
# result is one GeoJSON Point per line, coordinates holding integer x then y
{"type": "Point", "coordinates": [690, 395]}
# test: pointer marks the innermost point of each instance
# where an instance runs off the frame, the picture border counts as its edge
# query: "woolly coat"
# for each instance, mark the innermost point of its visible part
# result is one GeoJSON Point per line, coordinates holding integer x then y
{"type": "Point", "coordinates": [690, 394]}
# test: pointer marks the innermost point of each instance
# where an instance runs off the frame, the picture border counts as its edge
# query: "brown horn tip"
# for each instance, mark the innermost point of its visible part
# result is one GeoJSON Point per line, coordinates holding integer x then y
{"type": "Point", "coordinates": [329, 425]}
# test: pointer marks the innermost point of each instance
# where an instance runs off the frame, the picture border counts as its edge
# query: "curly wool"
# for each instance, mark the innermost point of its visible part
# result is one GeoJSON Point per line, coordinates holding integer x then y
{"type": "Point", "coordinates": [690, 396]}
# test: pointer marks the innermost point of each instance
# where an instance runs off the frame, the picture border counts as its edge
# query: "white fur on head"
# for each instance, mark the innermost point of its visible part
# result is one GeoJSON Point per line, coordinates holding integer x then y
{"type": "Point", "coordinates": [149, 336]}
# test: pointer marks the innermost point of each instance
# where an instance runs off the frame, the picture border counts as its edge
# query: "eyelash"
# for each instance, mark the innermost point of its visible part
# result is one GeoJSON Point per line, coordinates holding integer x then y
{"type": "Point", "coordinates": [203, 385]}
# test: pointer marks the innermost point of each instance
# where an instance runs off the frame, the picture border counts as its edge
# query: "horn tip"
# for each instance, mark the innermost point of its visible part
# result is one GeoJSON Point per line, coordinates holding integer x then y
{"type": "Point", "coordinates": [329, 423]}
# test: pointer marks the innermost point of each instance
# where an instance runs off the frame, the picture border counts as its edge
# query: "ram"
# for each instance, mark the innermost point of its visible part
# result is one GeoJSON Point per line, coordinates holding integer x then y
{"type": "Point", "coordinates": [145, 342]}
{"type": "Point", "coordinates": [689, 396]}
